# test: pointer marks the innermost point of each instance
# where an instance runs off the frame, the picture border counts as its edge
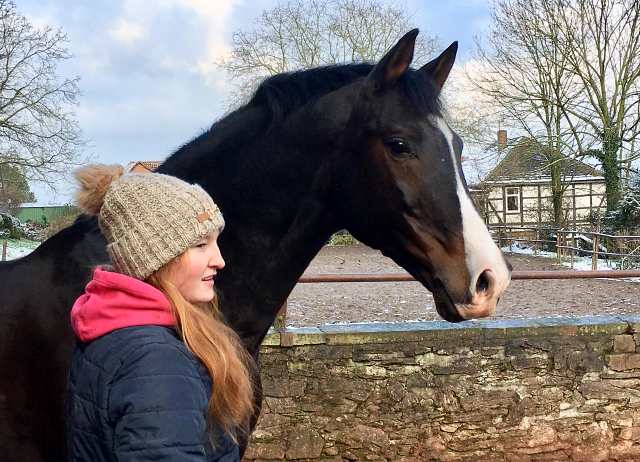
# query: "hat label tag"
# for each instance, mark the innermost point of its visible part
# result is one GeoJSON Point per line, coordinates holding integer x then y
{"type": "Point", "coordinates": [206, 215]}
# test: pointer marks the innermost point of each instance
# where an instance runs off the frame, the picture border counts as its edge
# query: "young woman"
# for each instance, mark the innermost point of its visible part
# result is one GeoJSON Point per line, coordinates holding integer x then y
{"type": "Point", "coordinates": [155, 374]}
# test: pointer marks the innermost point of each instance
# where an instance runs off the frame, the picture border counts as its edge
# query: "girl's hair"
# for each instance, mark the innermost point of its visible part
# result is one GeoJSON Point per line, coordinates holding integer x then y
{"type": "Point", "coordinates": [216, 346]}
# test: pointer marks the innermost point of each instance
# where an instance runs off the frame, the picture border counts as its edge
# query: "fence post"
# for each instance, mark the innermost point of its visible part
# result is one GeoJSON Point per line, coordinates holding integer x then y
{"type": "Point", "coordinates": [281, 318]}
{"type": "Point", "coordinates": [535, 242]}
{"type": "Point", "coordinates": [596, 247]}
{"type": "Point", "coordinates": [558, 244]}
{"type": "Point", "coordinates": [573, 247]}
{"type": "Point", "coordinates": [4, 250]}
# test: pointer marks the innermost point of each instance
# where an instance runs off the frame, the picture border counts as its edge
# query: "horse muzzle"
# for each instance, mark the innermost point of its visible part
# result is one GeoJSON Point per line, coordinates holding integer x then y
{"type": "Point", "coordinates": [481, 298]}
{"type": "Point", "coordinates": [486, 290]}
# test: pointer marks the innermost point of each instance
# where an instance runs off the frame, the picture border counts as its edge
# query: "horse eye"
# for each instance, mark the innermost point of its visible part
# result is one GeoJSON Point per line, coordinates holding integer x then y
{"type": "Point", "coordinates": [398, 147]}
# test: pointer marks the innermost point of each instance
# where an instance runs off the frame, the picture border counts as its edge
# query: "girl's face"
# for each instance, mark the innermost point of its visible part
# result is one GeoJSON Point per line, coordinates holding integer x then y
{"type": "Point", "coordinates": [194, 276]}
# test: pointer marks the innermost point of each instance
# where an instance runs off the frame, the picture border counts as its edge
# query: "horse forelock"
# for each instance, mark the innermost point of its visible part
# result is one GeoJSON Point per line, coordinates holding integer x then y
{"type": "Point", "coordinates": [421, 94]}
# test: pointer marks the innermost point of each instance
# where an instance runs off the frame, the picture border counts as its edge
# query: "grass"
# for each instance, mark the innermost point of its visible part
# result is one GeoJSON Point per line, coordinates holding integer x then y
{"type": "Point", "coordinates": [17, 248]}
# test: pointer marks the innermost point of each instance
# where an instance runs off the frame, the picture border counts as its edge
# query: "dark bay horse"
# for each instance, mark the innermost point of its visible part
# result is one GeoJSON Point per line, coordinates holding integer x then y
{"type": "Point", "coordinates": [362, 147]}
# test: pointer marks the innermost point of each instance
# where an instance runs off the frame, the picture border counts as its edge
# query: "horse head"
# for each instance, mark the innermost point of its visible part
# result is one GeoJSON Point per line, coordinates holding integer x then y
{"type": "Point", "coordinates": [398, 147]}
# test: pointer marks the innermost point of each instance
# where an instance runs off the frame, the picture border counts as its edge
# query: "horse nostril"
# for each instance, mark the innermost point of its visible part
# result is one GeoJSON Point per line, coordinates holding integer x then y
{"type": "Point", "coordinates": [484, 282]}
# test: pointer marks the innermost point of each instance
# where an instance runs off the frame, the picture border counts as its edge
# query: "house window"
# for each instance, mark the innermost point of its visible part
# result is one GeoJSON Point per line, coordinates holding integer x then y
{"type": "Point", "coordinates": [513, 199]}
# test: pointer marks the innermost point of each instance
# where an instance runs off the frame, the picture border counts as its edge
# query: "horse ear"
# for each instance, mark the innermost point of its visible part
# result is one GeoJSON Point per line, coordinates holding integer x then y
{"type": "Point", "coordinates": [438, 69]}
{"type": "Point", "coordinates": [395, 62]}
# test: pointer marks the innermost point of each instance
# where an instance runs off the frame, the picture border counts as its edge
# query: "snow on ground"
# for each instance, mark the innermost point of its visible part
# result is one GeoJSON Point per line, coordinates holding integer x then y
{"type": "Point", "coordinates": [579, 263]}
{"type": "Point", "coordinates": [19, 248]}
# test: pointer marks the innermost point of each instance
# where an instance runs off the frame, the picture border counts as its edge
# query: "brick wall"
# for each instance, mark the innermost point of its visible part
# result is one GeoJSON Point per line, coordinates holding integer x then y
{"type": "Point", "coordinates": [532, 390]}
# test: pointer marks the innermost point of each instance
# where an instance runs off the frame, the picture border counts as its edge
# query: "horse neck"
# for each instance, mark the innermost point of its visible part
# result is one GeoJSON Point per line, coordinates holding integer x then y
{"type": "Point", "coordinates": [278, 218]}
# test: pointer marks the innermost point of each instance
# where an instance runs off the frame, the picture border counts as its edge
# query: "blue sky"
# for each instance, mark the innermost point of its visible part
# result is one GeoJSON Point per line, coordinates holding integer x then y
{"type": "Point", "coordinates": [148, 79]}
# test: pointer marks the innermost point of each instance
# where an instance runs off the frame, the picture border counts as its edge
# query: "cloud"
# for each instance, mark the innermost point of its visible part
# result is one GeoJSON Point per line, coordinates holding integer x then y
{"type": "Point", "coordinates": [127, 32]}
{"type": "Point", "coordinates": [216, 14]}
{"type": "Point", "coordinates": [187, 34]}
{"type": "Point", "coordinates": [148, 80]}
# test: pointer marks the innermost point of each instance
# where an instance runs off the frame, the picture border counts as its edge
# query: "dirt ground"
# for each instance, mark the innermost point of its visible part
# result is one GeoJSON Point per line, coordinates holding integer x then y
{"type": "Point", "coordinates": [331, 303]}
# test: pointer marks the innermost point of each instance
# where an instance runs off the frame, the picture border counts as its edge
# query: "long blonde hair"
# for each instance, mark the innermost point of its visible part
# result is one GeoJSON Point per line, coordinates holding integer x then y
{"type": "Point", "coordinates": [216, 345]}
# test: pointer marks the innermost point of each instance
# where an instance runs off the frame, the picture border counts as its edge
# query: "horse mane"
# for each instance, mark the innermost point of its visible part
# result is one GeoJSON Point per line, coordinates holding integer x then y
{"type": "Point", "coordinates": [282, 94]}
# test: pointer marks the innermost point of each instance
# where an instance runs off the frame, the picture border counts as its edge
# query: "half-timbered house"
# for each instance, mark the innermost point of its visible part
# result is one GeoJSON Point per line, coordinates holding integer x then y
{"type": "Point", "coordinates": [517, 192]}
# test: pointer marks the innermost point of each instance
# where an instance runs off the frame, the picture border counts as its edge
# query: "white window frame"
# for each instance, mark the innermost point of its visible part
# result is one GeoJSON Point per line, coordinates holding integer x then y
{"type": "Point", "coordinates": [512, 192]}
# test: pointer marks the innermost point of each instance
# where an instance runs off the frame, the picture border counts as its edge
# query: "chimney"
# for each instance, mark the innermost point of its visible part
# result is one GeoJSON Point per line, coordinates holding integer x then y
{"type": "Point", "coordinates": [502, 140]}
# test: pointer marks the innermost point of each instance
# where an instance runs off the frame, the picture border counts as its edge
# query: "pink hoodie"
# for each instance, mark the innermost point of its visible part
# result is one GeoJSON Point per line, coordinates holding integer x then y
{"type": "Point", "coordinates": [112, 301]}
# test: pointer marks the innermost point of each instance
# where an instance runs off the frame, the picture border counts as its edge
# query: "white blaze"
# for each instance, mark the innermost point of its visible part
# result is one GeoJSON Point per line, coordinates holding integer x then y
{"type": "Point", "coordinates": [481, 252]}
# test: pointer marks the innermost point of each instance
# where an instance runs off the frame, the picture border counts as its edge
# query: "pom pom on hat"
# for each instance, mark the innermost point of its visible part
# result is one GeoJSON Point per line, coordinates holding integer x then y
{"type": "Point", "coordinates": [94, 183]}
{"type": "Point", "coordinates": [147, 218]}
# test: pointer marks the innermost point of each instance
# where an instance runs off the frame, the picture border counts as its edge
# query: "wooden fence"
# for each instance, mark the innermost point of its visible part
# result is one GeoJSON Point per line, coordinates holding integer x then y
{"type": "Point", "coordinates": [625, 248]}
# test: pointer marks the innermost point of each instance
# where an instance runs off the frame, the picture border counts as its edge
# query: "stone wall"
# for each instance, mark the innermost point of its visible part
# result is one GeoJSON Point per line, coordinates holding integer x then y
{"type": "Point", "coordinates": [544, 389]}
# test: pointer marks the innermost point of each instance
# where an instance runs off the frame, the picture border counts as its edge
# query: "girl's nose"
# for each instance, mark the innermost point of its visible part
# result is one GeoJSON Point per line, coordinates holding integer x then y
{"type": "Point", "coordinates": [216, 259]}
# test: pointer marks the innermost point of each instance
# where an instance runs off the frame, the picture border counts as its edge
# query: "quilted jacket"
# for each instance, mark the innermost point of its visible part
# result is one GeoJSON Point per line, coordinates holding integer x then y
{"type": "Point", "coordinates": [138, 394]}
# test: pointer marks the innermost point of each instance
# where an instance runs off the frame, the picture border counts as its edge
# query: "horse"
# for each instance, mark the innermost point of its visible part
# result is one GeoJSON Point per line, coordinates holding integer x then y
{"type": "Point", "coordinates": [362, 147]}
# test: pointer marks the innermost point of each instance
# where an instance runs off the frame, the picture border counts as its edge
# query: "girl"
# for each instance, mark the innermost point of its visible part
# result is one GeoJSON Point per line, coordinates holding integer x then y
{"type": "Point", "coordinates": [155, 374]}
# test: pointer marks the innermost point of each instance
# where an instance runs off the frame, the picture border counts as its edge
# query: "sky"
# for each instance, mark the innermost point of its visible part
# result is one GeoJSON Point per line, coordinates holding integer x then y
{"type": "Point", "coordinates": [148, 79]}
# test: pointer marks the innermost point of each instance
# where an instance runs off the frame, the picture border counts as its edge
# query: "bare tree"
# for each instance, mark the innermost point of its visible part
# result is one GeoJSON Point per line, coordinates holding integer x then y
{"type": "Point", "coordinates": [301, 34]}
{"type": "Point", "coordinates": [601, 44]}
{"type": "Point", "coordinates": [468, 116]}
{"type": "Point", "coordinates": [523, 75]}
{"type": "Point", "coordinates": [38, 134]}
{"type": "Point", "coordinates": [567, 71]}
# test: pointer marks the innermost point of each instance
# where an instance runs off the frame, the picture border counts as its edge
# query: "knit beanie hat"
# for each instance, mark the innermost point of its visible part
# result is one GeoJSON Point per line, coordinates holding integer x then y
{"type": "Point", "coordinates": [147, 218]}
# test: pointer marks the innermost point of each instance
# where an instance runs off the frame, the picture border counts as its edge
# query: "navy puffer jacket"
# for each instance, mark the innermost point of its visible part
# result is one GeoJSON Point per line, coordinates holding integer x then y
{"type": "Point", "coordinates": [139, 394]}
{"type": "Point", "coordinates": [135, 392]}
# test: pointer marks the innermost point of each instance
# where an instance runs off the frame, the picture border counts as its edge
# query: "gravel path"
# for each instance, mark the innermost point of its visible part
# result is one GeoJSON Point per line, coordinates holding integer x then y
{"type": "Point", "coordinates": [331, 303]}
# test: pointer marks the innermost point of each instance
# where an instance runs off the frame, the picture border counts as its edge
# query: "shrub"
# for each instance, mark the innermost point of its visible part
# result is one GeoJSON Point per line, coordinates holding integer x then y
{"type": "Point", "coordinates": [9, 227]}
{"type": "Point", "coordinates": [342, 238]}
{"type": "Point", "coordinates": [63, 221]}
{"type": "Point", "coordinates": [627, 216]}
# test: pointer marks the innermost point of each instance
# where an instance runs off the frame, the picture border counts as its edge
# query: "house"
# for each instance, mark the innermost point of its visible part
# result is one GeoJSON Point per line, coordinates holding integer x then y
{"type": "Point", "coordinates": [517, 192]}
{"type": "Point", "coordinates": [141, 166]}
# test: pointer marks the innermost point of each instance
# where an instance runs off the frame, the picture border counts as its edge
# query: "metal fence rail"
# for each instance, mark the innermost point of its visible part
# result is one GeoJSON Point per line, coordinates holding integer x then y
{"type": "Point", "coordinates": [402, 277]}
